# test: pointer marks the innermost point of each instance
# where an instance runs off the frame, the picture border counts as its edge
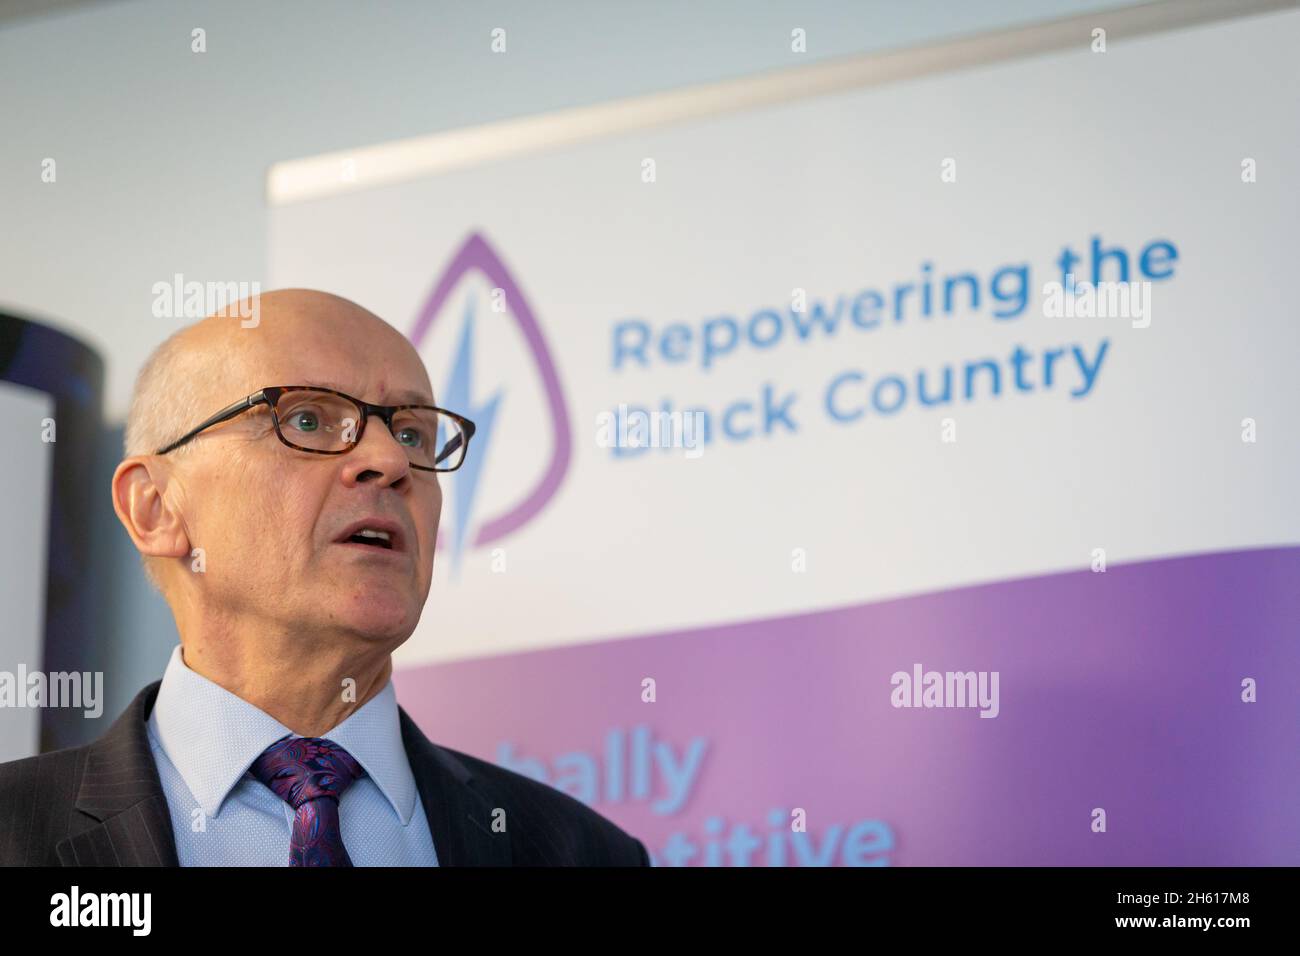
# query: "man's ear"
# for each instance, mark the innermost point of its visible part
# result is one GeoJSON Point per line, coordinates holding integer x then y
{"type": "Point", "coordinates": [155, 528]}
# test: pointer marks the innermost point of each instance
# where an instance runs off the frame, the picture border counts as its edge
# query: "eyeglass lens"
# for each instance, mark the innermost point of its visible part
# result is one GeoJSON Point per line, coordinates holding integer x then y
{"type": "Point", "coordinates": [320, 421]}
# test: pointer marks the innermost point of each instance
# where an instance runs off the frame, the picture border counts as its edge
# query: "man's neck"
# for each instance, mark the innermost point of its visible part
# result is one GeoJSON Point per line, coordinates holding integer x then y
{"type": "Point", "coordinates": [311, 691]}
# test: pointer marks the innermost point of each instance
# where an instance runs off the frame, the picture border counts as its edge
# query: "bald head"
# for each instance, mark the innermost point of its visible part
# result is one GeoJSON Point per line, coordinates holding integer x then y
{"type": "Point", "coordinates": [219, 359]}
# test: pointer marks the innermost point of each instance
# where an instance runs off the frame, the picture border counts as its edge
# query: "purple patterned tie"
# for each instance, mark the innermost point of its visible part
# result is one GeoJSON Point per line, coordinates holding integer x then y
{"type": "Point", "coordinates": [309, 773]}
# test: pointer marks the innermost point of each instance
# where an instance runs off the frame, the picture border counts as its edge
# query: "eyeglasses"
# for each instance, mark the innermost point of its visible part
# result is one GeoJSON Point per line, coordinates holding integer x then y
{"type": "Point", "coordinates": [325, 422]}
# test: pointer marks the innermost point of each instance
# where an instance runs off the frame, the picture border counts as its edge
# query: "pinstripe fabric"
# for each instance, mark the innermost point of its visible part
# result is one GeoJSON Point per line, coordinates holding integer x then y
{"type": "Point", "coordinates": [103, 805]}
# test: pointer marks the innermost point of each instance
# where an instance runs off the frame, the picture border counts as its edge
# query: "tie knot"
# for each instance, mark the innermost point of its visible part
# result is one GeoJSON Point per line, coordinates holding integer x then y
{"type": "Point", "coordinates": [299, 769]}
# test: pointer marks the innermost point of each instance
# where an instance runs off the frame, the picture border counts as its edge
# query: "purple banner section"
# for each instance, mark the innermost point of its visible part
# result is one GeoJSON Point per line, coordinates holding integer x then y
{"type": "Point", "coordinates": [1145, 715]}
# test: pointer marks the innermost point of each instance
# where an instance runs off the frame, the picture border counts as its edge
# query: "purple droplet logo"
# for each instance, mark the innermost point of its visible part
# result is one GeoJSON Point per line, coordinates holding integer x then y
{"type": "Point", "coordinates": [476, 255]}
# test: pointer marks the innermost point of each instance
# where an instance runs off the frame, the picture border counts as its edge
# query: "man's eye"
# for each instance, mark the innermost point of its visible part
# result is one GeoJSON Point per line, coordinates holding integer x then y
{"type": "Point", "coordinates": [304, 421]}
{"type": "Point", "coordinates": [412, 437]}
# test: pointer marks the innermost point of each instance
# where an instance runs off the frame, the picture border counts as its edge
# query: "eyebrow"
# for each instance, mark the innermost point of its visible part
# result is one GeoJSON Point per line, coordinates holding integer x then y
{"type": "Point", "coordinates": [405, 396]}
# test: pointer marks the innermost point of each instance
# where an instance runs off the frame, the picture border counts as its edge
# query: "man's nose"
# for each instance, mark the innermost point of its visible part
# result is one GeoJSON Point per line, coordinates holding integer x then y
{"type": "Point", "coordinates": [377, 457]}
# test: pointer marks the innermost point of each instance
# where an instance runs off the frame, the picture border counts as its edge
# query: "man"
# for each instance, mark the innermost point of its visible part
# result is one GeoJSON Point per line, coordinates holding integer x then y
{"type": "Point", "coordinates": [287, 511]}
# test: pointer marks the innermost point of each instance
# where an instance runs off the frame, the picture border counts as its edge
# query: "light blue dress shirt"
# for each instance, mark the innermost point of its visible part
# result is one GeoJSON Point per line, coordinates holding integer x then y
{"type": "Point", "coordinates": [204, 739]}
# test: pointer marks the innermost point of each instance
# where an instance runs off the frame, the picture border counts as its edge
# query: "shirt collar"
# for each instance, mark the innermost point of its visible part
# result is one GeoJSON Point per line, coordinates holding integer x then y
{"type": "Point", "coordinates": [212, 737]}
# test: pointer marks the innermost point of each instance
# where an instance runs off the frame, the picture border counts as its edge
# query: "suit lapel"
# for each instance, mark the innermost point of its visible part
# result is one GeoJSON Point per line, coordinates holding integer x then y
{"type": "Point", "coordinates": [125, 818]}
{"type": "Point", "coordinates": [458, 811]}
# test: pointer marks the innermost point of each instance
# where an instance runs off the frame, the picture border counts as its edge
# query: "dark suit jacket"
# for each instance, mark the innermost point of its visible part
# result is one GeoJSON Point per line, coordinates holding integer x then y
{"type": "Point", "coordinates": [103, 805]}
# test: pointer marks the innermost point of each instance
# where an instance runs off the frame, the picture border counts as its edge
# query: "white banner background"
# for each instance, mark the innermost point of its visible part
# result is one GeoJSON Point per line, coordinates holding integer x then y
{"type": "Point", "coordinates": [835, 195]}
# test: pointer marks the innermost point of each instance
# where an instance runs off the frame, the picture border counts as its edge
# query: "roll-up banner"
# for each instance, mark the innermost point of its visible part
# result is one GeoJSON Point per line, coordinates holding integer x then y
{"type": "Point", "coordinates": [890, 462]}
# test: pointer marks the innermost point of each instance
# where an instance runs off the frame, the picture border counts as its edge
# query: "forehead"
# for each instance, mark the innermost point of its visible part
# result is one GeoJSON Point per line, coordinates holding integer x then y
{"type": "Point", "coordinates": [369, 360]}
{"type": "Point", "coordinates": [384, 396]}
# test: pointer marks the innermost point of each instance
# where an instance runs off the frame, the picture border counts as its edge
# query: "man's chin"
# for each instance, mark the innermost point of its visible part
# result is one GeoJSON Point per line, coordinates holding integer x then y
{"type": "Point", "coordinates": [378, 613]}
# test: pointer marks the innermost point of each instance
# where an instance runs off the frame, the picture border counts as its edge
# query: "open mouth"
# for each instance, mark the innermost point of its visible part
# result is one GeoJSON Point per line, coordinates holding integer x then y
{"type": "Point", "coordinates": [374, 533]}
{"type": "Point", "coordinates": [375, 539]}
